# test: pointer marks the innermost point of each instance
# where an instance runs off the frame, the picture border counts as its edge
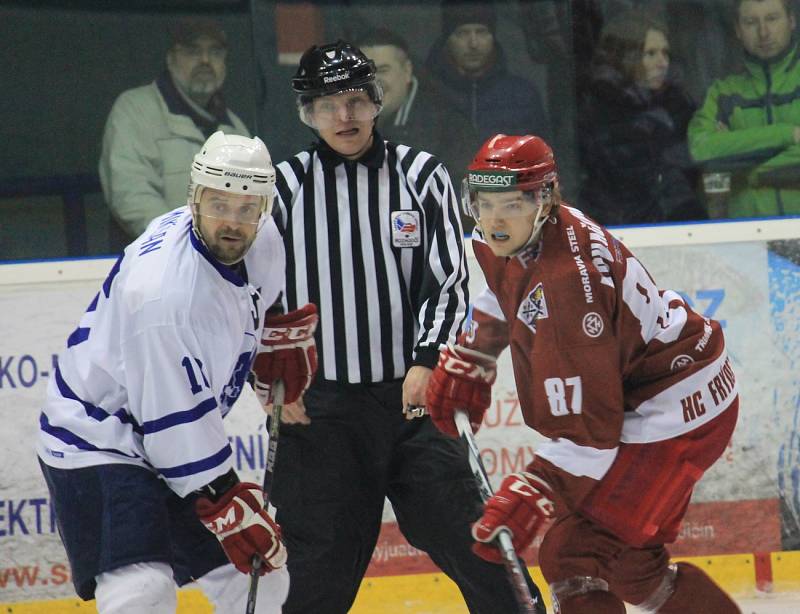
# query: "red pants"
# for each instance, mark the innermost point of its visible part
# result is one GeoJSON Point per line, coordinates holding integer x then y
{"type": "Point", "coordinates": [620, 530]}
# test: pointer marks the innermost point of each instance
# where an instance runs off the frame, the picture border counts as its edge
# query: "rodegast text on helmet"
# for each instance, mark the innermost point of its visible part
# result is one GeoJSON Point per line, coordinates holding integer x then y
{"type": "Point", "coordinates": [492, 180]}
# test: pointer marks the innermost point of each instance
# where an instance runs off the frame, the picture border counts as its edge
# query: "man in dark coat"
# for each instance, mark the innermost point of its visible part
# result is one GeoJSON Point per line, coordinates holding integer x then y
{"type": "Point", "coordinates": [416, 111]}
{"type": "Point", "coordinates": [470, 62]}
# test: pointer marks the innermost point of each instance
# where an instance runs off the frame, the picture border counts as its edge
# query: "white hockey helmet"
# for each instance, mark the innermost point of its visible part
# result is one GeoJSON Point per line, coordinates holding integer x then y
{"type": "Point", "coordinates": [233, 163]}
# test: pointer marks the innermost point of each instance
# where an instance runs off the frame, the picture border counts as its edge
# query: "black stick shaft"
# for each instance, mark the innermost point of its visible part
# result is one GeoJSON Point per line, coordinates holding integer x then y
{"type": "Point", "coordinates": [516, 576]}
{"type": "Point", "coordinates": [273, 426]}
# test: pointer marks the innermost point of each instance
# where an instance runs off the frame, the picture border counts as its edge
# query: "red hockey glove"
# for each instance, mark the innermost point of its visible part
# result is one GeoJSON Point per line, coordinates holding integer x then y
{"type": "Point", "coordinates": [462, 379]}
{"type": "Point", "coordinates": [288, 353]}
{"type": "Point", "coordinates": [521, 504]}
{"type": "Point", "coordinates": [244, 528]}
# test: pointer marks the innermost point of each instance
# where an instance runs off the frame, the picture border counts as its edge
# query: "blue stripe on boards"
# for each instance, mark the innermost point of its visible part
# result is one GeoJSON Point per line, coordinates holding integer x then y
{"type": "Point", "coordinates": [179, 417]}
{"type": "Point", "coordinates": [204, 464]}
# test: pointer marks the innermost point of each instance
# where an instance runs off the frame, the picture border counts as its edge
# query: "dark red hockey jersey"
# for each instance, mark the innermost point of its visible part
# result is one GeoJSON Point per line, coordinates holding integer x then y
{"type": "Point", "coordinates": [600, 354]}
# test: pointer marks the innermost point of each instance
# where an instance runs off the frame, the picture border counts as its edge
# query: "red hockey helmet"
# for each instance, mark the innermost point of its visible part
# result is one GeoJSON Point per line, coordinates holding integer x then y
{"type": "Point", "coordinates": [512, 163]}
{"type": "Point", "coordinates": [509, 163]}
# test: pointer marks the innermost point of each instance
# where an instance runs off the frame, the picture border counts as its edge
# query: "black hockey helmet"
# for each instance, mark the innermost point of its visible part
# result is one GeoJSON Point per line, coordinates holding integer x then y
{"type": "Point", "coordinates": [333, 68]}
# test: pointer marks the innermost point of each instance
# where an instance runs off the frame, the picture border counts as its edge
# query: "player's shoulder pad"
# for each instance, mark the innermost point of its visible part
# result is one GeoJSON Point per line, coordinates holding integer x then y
{"type": "Point", "coordinates": [586, 238]}
{"type": "Point", "coordinates": [158, 263]}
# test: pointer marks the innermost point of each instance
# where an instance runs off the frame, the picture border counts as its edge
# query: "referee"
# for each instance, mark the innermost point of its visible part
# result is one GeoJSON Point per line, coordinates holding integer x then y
{"type": "Point", "coordinates": [373, 237]}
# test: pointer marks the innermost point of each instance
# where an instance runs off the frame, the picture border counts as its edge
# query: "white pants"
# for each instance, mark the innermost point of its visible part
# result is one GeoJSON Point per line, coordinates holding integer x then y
{"type": "Point", "coordinates": [148, 588]}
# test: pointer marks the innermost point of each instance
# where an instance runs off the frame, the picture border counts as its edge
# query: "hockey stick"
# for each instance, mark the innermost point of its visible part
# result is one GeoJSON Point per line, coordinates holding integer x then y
{"type": "Point", "coordinates": [273, 426]}
{"type": "Point", "coordinates": [516, 576]}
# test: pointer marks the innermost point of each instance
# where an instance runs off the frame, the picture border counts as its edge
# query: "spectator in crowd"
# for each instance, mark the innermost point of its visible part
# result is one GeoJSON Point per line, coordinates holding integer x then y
{"type": "Point", "coordinates": [749, 124]}
{"type": "Point", "coordinates": [561, 37]}
{"type": "Point", "coordinates": [632, 129]}
{"type": "Point", "coordinates": [468, 59]}
{"type": "Point", "coordinates": [153, 131]}
{"type": "Point", "coordinates": [372, 233]}
{"type": "Point", "coordinates": [416, 111]}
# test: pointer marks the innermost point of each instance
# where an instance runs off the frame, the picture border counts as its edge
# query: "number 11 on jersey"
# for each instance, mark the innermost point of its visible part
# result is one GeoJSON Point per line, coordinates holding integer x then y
{"type": "Point", "coordinates": [190, 372]}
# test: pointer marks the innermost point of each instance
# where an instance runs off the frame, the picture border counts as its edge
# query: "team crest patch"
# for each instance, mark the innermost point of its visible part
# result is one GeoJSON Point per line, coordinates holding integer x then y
{"type": "Point", "coordinates": [593, 324]}
{"type": "Point", "coordinates": [406, 229]}
{"type": "Point", "coordinates": [533, 308]}
{"type": "Point", "coordinates": [681, 361]}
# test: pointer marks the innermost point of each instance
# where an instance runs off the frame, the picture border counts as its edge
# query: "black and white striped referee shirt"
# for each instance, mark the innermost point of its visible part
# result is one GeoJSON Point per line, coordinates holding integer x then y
{"type": "Point", "coordinates": [377, 245]}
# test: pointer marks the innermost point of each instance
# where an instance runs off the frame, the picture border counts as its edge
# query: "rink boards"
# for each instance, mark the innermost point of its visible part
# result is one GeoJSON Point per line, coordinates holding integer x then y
{"type": "Point", "coordinates": [742, 523]}
{"type": "Point", "coordinates": [436, 593]}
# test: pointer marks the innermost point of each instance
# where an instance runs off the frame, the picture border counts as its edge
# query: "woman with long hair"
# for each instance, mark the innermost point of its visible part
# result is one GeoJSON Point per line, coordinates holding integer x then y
{"type": "Point", "coordinates": [633, 120]}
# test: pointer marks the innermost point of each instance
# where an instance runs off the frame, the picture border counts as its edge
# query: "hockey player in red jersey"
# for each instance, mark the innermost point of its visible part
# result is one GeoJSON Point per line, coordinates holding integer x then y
{"type": "Point", "coordinates": [633, 390]}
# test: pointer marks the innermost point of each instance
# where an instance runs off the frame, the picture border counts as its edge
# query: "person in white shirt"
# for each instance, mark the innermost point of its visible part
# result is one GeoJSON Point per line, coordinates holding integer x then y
{"type": "Point", "coordinates": [131, 441]}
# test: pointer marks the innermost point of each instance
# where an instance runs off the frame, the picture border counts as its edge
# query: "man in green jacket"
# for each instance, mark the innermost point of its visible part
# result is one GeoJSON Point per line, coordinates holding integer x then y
{"type": "Point", "coordinates": [749, 124]}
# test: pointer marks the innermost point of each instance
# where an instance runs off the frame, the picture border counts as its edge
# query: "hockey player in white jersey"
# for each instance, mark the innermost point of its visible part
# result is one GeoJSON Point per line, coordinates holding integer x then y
{"type": "Point", "coordinates": [131, 440]}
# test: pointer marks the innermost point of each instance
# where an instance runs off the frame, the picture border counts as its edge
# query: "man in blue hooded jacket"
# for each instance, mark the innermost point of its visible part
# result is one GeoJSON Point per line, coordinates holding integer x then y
{"type": "Point", "coordinates": [468, 60]}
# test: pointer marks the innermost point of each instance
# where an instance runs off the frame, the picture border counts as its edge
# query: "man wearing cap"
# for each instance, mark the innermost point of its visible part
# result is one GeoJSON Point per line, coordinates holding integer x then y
{"type": "Point", "coordinates": [153, 131]}
{"type": "Point", "coordinates": [468, 59]}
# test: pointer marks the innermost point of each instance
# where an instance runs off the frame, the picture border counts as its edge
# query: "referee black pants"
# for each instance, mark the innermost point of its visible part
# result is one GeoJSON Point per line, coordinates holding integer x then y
{"type": "Point", "coordinates": [331, 478]}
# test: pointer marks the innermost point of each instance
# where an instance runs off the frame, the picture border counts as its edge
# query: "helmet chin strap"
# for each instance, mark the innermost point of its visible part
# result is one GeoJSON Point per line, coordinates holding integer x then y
{"type": "Point", "coordinates": [195, 192]}
{"type": "Point", "coordinates": [538, 223]}
{"type": "Point", "coordinates": [199, 233]}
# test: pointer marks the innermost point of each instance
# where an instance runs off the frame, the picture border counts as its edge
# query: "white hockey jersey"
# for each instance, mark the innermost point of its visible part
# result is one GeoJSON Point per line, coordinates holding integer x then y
{"type": "Point", "coordinates": [160, 356]}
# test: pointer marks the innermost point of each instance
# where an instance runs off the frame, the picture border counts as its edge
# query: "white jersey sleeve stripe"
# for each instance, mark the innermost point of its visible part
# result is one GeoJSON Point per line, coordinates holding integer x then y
{"type": "Point", "coordinates": [577, 460]}
{"type": "Point", "coordinates": [93, 411]}
{"type": "Point", "coordinates": [194, 467]}
{"type": "Point", "coordinates": [70, 438]}
{"type": "Point", "coordinates": [179, 417]}
{"type": "Point", "coordinates": [690, 403]}
{"type": "Point", "coordinates": [487, 302]}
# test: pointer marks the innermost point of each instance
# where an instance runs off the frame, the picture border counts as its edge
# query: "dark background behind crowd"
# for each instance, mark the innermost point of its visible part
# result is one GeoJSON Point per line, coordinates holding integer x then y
{"type": "Point", "coordinates": [559, 68]}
